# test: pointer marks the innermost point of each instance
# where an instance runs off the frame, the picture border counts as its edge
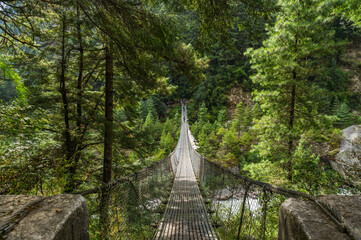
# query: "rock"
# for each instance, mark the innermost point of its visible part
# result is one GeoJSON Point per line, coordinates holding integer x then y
{"type": "Point", "coordinates": [10, 204]}
{"type": "Point", "coordinates": [303, 220]}
{"type": "Point", "coordinates": [235, 170]}
{"type": "Point", "coordinates": [235, 95]}
{"type": "Point", "coordinates": [348, 206]}
{"type": "Point", "coordinates": [59, 217]}
{"type": "Point", "coordinates": [348, 160]}
{"type": "Point", "coordinates": [351, 64]}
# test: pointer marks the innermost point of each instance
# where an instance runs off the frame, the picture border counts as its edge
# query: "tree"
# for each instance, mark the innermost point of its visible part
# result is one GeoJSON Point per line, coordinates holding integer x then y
{"type": "Point", "coordinates": [69, 146]}
{"type": "Point", "coordinates": [243, 118]}
{"type": "Point", "coordinates": [349, 10]}
{"type": "Point", "coordinates": [285, 68]}
{"type": "Point", "coordinates": [108, 130]}
{"type": "Point", "coordinates": [343, 114]}
{"type": "Point", "coordinates": [58, 49]}
{"type": "Point", "coordinates": [108, 137]}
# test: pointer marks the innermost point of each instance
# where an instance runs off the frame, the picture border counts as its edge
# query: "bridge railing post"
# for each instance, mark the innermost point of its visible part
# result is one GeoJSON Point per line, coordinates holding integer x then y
{"type": "Point", "coordinates": [247, 186]}
{"type": "Point", "coordinates": [265, 200]}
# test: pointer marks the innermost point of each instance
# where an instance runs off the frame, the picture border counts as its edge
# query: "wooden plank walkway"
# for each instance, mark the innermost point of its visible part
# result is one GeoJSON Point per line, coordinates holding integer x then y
{"type": "Point", "coordinates": [185, 216]}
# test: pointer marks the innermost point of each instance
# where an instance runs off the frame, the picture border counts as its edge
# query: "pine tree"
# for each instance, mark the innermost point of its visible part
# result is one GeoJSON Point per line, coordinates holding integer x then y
{"type": "Point", "coordinates": [285, 67]}
{"type": "Point", "coordinates": [243, 118]}
{"type": "Point", "coordinates": [149, 122]}
{"type": "Point", "coordinates": [342, 111]}
{"type": "Point", "coordinates": [203, 115]}
{"type": "Point", "coordinates": [222, 116]}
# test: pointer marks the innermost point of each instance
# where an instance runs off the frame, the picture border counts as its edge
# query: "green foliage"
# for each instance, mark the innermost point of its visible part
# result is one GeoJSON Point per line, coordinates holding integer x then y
{"type": "Point", "coordinates": [349, 10]}
{"type": "Point", "coordinates": [288, 97]}
{"type": "Point", "coordinates": [27, 152]}
{"type": "Point", "coordinates": [222, 116]}
{"type": "Point", "coordinates": [266, 171]}
{"type": "Point", "coordinates": [230, 145]}
{"type": "Point", "coordinates": [311, 175]}
{"type": "Point", "coordinates": [203, 118]}
{"type": "Point", "coordinates": [150, 121]}
{"type": "Point", "coordinates": [7, 90]}
{"type": "Point", "coordinates": [203, 115]}
{"type": "Point", "coordinates": [343, 114]}
{"type": "Point", "coordinates": [228, 67]}
{"type": "Point", "coordinates": [9, 74]}
{"type": "Point", "coordinates": [156, 49]}
{"type": "Point", "coordinates": [229, 151]}
{"type": "Point", "coordinates": [227, 142]}
{"type": "Point", "coordinates": [243, 118]}
{"type": "Point", "coordinates": [308, 174]}
{"type": "Point", "coordinates": [166, 145]}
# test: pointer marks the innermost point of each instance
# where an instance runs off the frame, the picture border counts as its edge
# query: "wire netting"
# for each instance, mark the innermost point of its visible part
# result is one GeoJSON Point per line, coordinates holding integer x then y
{"type": "Point", "coordinates": [239, 208]}
{"type": "Point", "coordinates": [131, 206]}
{"type": "Point", "coordinates": [242, 208]}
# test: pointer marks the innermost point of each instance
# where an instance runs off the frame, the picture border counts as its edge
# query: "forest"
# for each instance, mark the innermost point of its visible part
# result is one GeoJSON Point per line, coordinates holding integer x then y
{"type": "Point", "coordinates": [90, 90]}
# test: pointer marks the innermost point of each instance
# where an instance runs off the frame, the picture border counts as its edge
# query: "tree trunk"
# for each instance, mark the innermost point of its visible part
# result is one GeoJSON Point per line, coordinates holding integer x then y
{"type": "Point", "coordinates": [292, 116]}
{"type": "Point", "coordinates": [73, 164]}
{"type": "Point", "coordinates": [80, 75]}
{"type": "Point", "coordinates": [63, 91]}
{"type": "Point", "coordinates": [290, 125]}
{"type": "Point", "coordinates": [108, 137]}
{"type": "Point", "coordinates": [108, 140]}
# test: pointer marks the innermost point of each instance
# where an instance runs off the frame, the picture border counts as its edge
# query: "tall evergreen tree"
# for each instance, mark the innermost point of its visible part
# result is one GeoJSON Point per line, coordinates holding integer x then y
{"type": "Point", "coordinates": [285, 68]}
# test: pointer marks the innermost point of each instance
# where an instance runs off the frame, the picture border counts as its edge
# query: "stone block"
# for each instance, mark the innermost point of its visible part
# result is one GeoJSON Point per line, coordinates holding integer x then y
{"type": "Point", "coordinates": [59, 217]}
{"type": "Point", "coordinates": [303, 220]}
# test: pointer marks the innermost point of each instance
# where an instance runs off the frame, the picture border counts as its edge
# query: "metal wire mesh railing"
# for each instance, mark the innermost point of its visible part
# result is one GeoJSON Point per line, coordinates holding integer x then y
{"type": "Point", "coordinates": [239, 208]}
{"type": "Point", "coordinates": [175, 155]}
{"type": "Point", "coordinates": [242, 208]}
{"type": "Point", "coordinates": [132, 206]}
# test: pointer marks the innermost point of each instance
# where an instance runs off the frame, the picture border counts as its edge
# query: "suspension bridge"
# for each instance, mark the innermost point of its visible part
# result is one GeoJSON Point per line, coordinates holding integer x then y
{"type": "Point", "coordinates": [185, 216]}
{"type": "Point", "coordinates": [186, 196]}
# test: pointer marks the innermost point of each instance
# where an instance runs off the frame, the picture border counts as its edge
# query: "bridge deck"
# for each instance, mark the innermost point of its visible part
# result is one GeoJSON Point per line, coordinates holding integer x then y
{"type": "Point", "coordinates": [185, 216]}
